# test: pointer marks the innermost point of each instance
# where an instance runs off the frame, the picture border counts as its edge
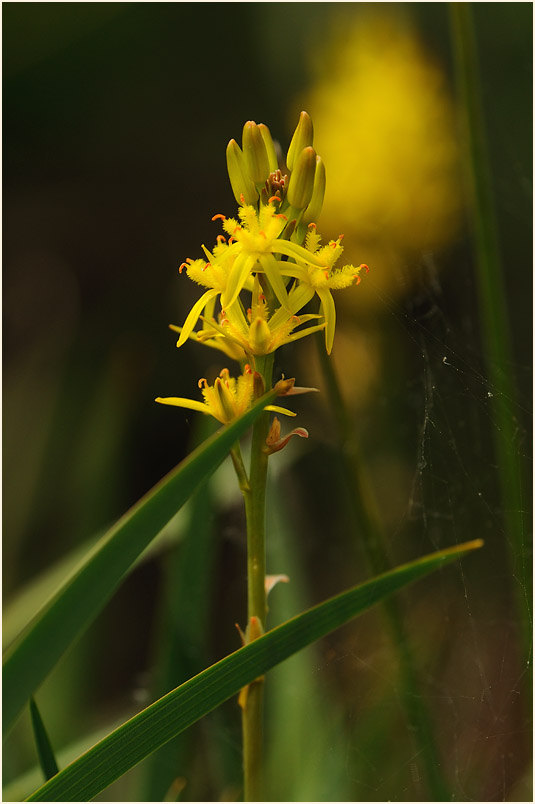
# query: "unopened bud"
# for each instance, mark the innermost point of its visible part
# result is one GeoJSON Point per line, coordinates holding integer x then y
{"type": "Point", "coordinates": [301, 183]}
{"type": "Point", "coordinates": [270, 148]}
{"type": "Point", "coordinates": [255, 153]}
{"type": "Point", "coordinates": [242, 185]}
{"type": "Point", "coordinates": [312, 212]}
{"type": "Point", "coordinates": [302, 138]}
{"type": "Point", "coordinates": [225, 399]}
{"type": "Point", "coordinates": [259, 336]}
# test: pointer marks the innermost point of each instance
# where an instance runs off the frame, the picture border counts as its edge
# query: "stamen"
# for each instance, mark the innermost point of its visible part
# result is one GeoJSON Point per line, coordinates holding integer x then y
{"type": "Point", "coordinates": [274, 198]}
{"type": "Point", "coordinates": [221, 238]}
{"type": "Point", "coordinates": [208, 265]}
{"type": "Point", "coordinates": [311, 226]}
{"type": "Point", "coordinates": [181, 268]}
{"type": "Point", "coordinates": [263, 235]}
{"type": "Point", "coordinates": [219, 215]}
{"type": "Point", "coordinates": [202, 382]}
{"type": "Point", "coordinates": [341, 237]}
{"type": "Point", "coordinates": [365, 267]}
{"type": "Point", "coordinates": [231, 240]}
{"type": "Point", "coordinates": [247, 369]}
{"type": "Point", "coordinates": [242, 198]}
{"type": "Point", "coordinates": [359, 280]}
{"type": "Point", "coordinates": [280, 215]}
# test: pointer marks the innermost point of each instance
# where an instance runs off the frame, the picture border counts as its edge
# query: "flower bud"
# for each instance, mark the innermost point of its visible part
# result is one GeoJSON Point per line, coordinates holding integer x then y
{"type": "Point", "coordinates": [225, 399]}
{"type": "Point", "coordinates": [255, 153]}
{"type": "Point", "coordinates": [312, 212]}
{"type": "Point", "coordinates": [259, 336]}
{"type": "Point", "coordinates": [302, 138]}
{"type": "Point", "coordinates": [270, 148]}
{"type": "Point", "coordinates": [241, 184]}
{"type": "Point", "coordinates": [301, 183]}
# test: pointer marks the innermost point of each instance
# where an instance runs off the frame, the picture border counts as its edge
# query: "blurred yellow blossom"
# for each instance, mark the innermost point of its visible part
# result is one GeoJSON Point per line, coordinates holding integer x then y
{"type": "Point", "coordinates": [383, 112]}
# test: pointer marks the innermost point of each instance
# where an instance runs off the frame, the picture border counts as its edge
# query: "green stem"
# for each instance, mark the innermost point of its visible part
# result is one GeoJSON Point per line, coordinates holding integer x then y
{"type": "Point", "coordinates": [492, 307]}
{"type": "Point", "coordinates": [367, 522]}
{"type": "Point", "coordinates": [254, 494]}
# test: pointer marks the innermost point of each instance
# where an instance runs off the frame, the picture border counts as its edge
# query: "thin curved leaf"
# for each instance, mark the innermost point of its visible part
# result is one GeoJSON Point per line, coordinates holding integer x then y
{"type": "Point", "coordinates": [157, 724]}
{"type": "Point", "coordinates": [64, 618]}
{"type": "Point", "coordinates": [45, 752]}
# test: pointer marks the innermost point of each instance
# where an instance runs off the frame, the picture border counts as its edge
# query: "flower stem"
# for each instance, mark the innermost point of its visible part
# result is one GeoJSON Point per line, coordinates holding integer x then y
{"type": "Point", "coordinates": [254, 494]}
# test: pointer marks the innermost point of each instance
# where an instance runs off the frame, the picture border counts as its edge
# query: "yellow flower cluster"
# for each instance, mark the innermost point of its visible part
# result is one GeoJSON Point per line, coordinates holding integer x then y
{"type": "Point", "coordinates": [270, 251]}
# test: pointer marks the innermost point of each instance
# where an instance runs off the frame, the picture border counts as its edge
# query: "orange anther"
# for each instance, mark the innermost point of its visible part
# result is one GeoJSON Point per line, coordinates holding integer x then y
{"type": "Point", "coordinates": [208, 265]}
{"type": "Point", "coordinates": [263, 235]}
{"type": "Point", "coordinates": [280, 215]}
{"type": "Point", "coordinates": [359, 280]}
{"type": "Point", "coordinates": [221, 239]}
{"type": "Point", "coordinates": [184, 265]}
{"type": "Point", "coordinates": [242, 198]}
{"type": "Point", "coordinates": [202, 382]}
{"type": "Point", "coordinates": [261, 297]}
{"type": "Point", "coordinates": [311, 226]}
{"type": "Point", "coordinates": [231, 240]}
{"type": "Point", "coordinates": [365, 267]}
{"type": "Point", "coordinates": [274, 198]}
{"type": "Point", "coordinates": [341, 237]}
{"type": "Point", "coordinates": [219, 215]}
{"type": "Point", "coordinates": [333, 244]}
{"type": "Point", "coordinates": [247, 369]}
{"type": "Point", "coordinates": [326, 274]}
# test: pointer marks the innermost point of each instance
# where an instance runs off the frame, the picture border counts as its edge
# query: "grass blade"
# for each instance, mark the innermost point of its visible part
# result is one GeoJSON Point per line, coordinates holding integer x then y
{"type": "Point", "coordinates": [84, 594]}
{"type": "Point", "coordinates": [154, 726]}
{"type": "Point", "coordinates": [45, 752]}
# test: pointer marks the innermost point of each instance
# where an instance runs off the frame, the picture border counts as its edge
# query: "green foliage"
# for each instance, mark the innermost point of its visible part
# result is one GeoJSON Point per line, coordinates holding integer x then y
{"type": "Point", "coordinates": [153, 727]}
{"type": "Point", "coordinates": [84, 594]}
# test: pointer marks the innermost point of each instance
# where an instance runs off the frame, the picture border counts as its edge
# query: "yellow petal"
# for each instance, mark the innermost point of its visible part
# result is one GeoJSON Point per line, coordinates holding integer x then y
{"type": "Point", "coordinates": [180, 402]}
{"type": "Point", "coordinates": [194, 314]}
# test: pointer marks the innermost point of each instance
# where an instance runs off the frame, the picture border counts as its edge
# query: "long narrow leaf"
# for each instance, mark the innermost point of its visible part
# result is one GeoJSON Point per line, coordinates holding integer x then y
{"type": "Point", "coordinates": [31, 657]}
{"type": "Point", "coordinates": [45, 752]}
{"type": "Point", "coordinates": [154, 726]}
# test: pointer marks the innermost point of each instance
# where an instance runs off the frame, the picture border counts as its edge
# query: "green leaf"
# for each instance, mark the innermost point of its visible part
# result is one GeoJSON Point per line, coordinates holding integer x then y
{"type": "Point", "coordinates": [45, 752]}
{"type": "Point", "coordinates": [154, 726]}
{"type": "Point", "coordinates": [63, 619]}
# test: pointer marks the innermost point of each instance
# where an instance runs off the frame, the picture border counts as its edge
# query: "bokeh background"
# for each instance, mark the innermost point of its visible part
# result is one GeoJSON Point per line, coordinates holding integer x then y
{"type": "Point", "coordinates": [116, 118]}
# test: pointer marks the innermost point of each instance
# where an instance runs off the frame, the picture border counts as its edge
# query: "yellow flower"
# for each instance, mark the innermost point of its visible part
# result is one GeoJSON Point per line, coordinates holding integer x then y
{"type": "Point", "coordinates": [255, 332]}
{"type": "Point", "coordinates": [314, 268]}
{"type": "Point", "coordinates": [226, 399]}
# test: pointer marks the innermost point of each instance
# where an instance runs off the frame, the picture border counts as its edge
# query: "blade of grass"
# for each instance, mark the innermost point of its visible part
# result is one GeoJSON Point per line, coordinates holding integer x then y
{"type": "Point", "coordinates": [180, 708]}
{"type": "Point", "coordinates": [45, 752]}
{"type": "Point", "coordinates": [495, 326]}
{"type": "Point", "coordinates": [78, 601]}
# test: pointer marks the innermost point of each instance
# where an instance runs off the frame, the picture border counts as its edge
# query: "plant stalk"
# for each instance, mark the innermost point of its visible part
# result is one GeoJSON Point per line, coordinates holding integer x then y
{"type": "Point", "coordinates": [254, 495]}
